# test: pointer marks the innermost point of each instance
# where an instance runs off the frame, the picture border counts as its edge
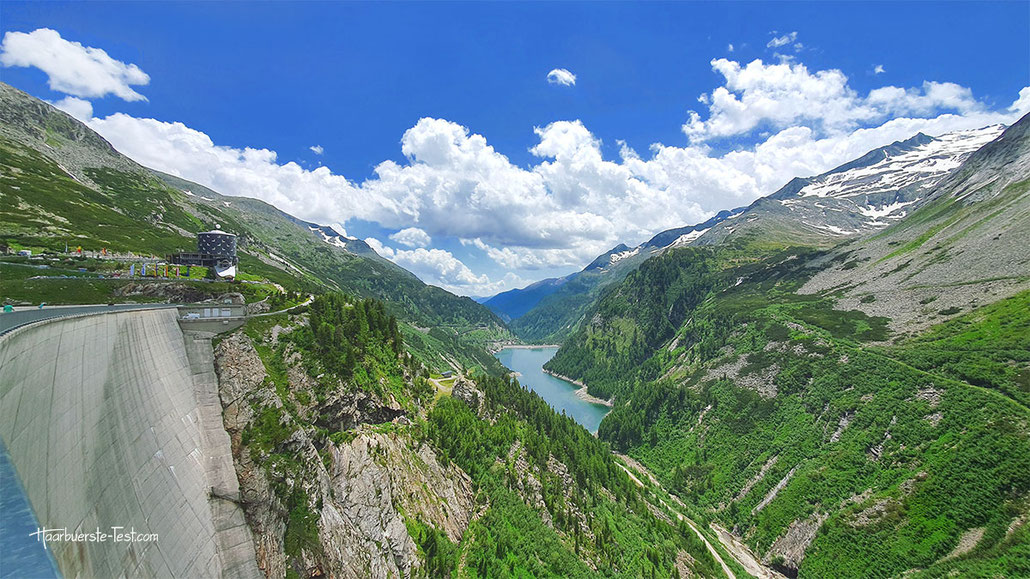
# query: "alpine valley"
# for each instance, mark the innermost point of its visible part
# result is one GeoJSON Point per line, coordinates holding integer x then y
{"type": "Point", "coordinates": [833, 381]}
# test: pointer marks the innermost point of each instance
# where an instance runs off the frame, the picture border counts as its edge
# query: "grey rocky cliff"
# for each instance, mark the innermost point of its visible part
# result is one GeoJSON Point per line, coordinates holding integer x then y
{"type": "Point", "coordinates": [360, 485]}
{"type": "Point", "coordinates": [789, 549]}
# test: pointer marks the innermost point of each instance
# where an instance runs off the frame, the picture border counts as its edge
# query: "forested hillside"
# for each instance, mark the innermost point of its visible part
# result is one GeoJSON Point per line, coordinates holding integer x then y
{"type": "Point", "coordinates": [831, 441]}
{"type": "Point", "coordinates": [339, 433]}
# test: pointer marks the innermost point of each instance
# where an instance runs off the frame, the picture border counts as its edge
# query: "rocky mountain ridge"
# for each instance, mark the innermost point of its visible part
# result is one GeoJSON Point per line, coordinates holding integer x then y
{"type": "Point", "coordinates": [963, 248]}
{"type": "Point", "coordinates": [856, 198]}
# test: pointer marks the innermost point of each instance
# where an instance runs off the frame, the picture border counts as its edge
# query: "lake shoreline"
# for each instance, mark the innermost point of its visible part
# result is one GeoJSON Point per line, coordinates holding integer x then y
{"type": "Point", "coordinates": [582, 392]}
{"type": "Point", "coordinates": [497, 347]}
{"type": "Point", "coordinates": [563, 395]}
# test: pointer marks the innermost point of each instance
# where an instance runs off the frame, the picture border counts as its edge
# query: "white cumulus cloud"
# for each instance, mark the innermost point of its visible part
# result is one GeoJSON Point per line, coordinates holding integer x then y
{"type": "Point", "coordinates": [1022, 104]}
{"type": "Point", "coordinates": [561, 76]}
{"type": "Point", "coordinates": [76, 107]}
{"type": "Point", "coordinates": [789, 94]}
{"type": "Point", "coordinates": [879, 69]}
{"type": "Point", "coordinates": [316, 149]}
{"type": "Point", "coordinates": [412, 237]}
{"type": "Point", "coordinates": [440, 267]}
{"type": "Point", "coordinates": [72, 68]}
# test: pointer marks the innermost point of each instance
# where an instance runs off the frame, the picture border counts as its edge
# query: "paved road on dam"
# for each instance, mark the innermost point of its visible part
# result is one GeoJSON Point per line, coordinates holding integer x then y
{"type": "Point", "coordinates": [28, 314]}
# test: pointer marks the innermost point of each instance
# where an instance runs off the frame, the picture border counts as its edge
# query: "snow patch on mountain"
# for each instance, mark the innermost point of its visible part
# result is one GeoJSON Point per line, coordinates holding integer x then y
{"type": "Point", "coordinates": [922, 166]}
{"type": "Point", "coordinates": [617, 257]}
{"type": "Point", "coordinates": [884, 210]}
{"type": "Point", "coordinates": [686, 238]}
{"type": "Point", "coordinates": [832, 229]}
{"type": "Point", "coordinates": [337, 240]}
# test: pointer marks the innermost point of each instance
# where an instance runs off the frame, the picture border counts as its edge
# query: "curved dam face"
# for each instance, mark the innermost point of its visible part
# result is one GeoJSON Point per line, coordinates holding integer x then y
{"type": "Point", "coordinates": [110, 422]}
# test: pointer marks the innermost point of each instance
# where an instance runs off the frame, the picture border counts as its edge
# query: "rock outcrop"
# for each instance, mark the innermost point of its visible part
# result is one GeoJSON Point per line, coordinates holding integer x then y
{"type": "Point", "coordinates": [334, 504]}
{"type": "Point", "coordinates": [788, 550]}
{"type": "Point", "coordinates": [467, 392]}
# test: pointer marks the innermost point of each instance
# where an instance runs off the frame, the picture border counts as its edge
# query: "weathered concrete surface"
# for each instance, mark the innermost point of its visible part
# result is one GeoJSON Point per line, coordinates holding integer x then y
{"type": "Point", "coordinates": [234, 542]}
{"type": "Point", "coordinates": [101, 419]}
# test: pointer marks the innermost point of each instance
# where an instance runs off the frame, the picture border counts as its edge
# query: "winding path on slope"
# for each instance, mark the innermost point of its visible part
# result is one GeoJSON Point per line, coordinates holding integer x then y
{"type": "Point", "coordinates": [740, 552]}
{"type": "Point", "coordinates": [693, 527]}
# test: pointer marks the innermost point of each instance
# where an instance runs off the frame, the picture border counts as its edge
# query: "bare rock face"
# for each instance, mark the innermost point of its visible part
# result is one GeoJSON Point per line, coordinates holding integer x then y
{"type": "Point", "coordinates": [761, 381]}
{"type": "Point", "coordinates": [358, 487]}
{"type": "Point", "coordinates": [240, 374]}
{"type": "Point", "coordinates": [234, 298]}
{"type": "Point", "coordinates": [791, 546]}
{"type": "Point", "coordinates": [260, 307]}
{"type": "Point", "coordinates": [366, 534]}
{"type": "Point", "coordinates": [371, 477]}
{"type": "Point", "coordinates": [344, 411]}
{"type": "Point", "coordinates": [467, 392]}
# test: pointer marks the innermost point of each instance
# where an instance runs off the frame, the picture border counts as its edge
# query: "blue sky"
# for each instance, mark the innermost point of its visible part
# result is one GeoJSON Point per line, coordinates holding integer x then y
{"type": "Point", "coordinates": [514, 205]}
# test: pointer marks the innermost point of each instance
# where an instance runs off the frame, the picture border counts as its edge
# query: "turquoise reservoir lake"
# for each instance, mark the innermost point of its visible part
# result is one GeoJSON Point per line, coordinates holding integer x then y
{"type": "Point", "coordinates": [560, 394]}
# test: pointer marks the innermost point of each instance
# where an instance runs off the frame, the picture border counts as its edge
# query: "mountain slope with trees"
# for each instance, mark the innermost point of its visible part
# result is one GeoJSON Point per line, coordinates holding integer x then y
{"type": "Point", "coordinates": [64, 185]}
{"type": "Point", "coordinates": [836, 428]}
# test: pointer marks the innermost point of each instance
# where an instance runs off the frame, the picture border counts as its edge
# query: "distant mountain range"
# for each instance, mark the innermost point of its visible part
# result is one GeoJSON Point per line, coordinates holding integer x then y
{"type": "Point", "coordinates": [547, 309]}
{"type": "Point", "coordinates": [863, 195]}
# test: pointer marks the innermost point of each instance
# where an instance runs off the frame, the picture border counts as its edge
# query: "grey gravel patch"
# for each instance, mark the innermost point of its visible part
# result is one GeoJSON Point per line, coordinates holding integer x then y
{"type": "Point", "coordinates": [930, 395]}
{"type": "Point", "coordinates": [966, 543]}
{"type": "Point", "coordinates": [791, 546]}
{"type": "Point", "coordinates": [842, 425]}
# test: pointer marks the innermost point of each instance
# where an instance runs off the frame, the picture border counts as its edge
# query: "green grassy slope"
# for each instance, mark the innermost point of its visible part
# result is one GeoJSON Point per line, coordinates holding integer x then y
{"type": "Point", "coordinates": [62, 185]}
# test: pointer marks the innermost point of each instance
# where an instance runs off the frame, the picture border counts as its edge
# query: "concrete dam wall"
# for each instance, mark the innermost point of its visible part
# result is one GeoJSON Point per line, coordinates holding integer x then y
{"type": "Point", "coordinates": [114, 421]}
